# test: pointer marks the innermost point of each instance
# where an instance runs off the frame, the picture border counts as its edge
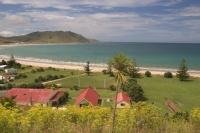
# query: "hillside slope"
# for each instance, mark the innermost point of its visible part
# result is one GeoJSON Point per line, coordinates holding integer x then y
{"type": "Point", "coordinates": [46, 37]}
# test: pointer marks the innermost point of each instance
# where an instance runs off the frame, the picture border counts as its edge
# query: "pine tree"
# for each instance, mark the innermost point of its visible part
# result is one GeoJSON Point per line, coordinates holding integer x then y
{"type": "Point", "coordinates": [87, 68]}
{"type": "Point", "coordinates": [182, 73]}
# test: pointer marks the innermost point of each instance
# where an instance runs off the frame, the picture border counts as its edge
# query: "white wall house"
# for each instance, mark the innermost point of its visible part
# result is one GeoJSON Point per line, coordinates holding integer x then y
{"type": "Point", "coordinates": [123, 100]}
{"type": "Point", "coordinates": [2, 67]}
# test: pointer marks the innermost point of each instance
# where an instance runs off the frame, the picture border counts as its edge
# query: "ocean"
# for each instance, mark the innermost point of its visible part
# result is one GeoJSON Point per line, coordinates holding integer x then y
{"type": "Point", "coordinates": [163, 55]}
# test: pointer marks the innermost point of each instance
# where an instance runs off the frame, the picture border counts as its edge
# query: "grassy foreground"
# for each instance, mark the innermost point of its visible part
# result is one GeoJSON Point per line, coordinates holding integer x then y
{"type": "Point", "coordinates": [141, 118]}
{"type": "Point", "coordinates": [156, 88]}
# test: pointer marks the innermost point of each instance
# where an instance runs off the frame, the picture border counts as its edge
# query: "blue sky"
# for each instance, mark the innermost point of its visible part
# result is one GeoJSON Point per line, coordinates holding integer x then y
{"type": "Point", "coordinates": [105, 20]}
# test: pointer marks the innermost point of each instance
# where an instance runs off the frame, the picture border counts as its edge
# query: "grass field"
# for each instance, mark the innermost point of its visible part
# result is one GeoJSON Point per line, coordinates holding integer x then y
{"type": "Point", "coordinates": [156, 88]}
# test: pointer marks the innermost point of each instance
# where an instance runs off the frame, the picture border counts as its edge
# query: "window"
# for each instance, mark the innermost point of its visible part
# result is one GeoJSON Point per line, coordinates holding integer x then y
{"type": "Point", "coordinates": [122, 104]}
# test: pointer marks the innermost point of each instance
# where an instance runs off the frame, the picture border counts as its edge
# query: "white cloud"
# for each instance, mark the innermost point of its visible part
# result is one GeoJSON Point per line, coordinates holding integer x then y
{"type": "Point", "coordinates": [61, 4]}
{"type": "Point", "coordinates": [116, 26]}
{"type": "Point", "coordinates": [192, 11]}
{"type": "Point", "coordinates": [7, 33]}
{"type": "Point", "coordinates": [66, 4]}
{"type": "Point", "coordinates": [98, 25]}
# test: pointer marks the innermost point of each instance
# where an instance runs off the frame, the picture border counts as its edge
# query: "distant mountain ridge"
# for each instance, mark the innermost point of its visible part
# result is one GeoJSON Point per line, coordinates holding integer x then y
{"type": "Point", "coordinates": [47, 37]}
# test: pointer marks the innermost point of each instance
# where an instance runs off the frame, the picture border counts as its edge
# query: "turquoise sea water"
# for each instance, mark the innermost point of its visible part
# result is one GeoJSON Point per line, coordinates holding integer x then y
{"type": "Point", "coordinates": [167, 55]}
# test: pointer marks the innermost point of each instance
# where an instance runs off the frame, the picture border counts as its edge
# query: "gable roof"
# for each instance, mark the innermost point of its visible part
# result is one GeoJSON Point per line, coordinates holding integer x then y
{"type": "Point", "coordinates": [123, 97]}
{"type": "Point", "coordinates": [88, 94]}
{"type": "Point", "coordinates": [26, 96]}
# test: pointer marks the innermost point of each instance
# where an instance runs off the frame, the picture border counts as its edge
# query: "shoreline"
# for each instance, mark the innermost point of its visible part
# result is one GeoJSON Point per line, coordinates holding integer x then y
{"type": "Point", "coordinates": [36, 44]}
{"type": "Point", "coordinates": [94, 67]}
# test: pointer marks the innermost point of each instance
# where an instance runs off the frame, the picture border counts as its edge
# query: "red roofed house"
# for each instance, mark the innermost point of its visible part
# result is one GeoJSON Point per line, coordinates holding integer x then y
{"type": "Point", "coordinates": [26, 96]}
{"type": "Point", "coordinates": [123, 100]}
{"type": "Point", "coordinates": [88, 96]}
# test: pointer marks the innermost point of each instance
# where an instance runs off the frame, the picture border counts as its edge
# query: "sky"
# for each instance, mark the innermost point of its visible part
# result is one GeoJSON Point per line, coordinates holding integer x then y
{"type": "Point", "coordinates": [105, 20]}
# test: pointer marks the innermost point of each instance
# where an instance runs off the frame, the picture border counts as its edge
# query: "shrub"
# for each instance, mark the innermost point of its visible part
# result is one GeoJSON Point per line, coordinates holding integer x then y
{"type": "Point", "coordinates": [6, 86]}
{"type": "Point", "coordinates": [104, 71]}
{"type": "Point", "coordinates": [134, 90]}
{"type": "Point", "coordinates": [49, 77]}
{"type": "Point", "coordinates": [40, 69]}
{"type": "Point", "coordinates": [112, 87]}
{"type": "Point", "coordinates": [1, 82]}
{"type": "Point", "coordinates": [168, 75]}
{"type": "Point", "coordinates": [75, 87]}
{"type": "Point", "coordinates": [195, 115]}
{"type": "Point", "coordinates": [21, 76]}
{"type": "Point", "coordinates": [7, 102]}
{"type": "Point", "coordinates": [72, 73]}
{"type": "Point", "coordinates": [181, 116]}
{"type": "Point", "coordinates": [111, 74]}
{"type": "Point", "coordinates": [61, 76]}
{"type": "Point", "coordinates": [33, 71]}
{"type": "Point", "coordinates": [147, 74]}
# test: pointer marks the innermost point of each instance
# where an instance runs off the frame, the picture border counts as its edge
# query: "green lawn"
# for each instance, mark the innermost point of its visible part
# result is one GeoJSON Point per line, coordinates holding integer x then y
{"type": "Point", "coordinates": [32, 76]}
{"type": "Point", "coordinates": [156, 88]}
{"type": "Point", "coordinates": [186, 94]}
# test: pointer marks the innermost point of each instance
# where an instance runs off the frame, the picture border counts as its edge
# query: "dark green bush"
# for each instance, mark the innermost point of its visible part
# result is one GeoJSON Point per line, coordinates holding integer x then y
{"type": "Point", "coordinates": [112, 87]}
{"type": "Point", "coordinates": [21, 76]}
{"type": "Point", "coordinates": [104, 71]}
{"type": "Point", "coordinates": [168, 75]}
{"type": "Point", "coordinates": [181, 116]}
{"type": "Point", "coordinates": [148, 74]}
{"type": "Point", "coordinates": [75, 87]}
{"type": "Point", "coordinates": [61, 76]}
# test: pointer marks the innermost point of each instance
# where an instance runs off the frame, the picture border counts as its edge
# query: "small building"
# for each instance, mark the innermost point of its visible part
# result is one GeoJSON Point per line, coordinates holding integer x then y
{"type": "Point", "coordinates": [2, 77]}
{"type": "Point", "coordinates": [123, 100]}
{"type": "Point", "coordinates": [28, 96]}
{"type": "Point", "coordinates": [11, 71]}
{"type": "Point", "coordinates": [7, 77]}
{"type": "Point", "coordinates": [2, 67]}
{"type": "Point", "coordinates": [88, 97]}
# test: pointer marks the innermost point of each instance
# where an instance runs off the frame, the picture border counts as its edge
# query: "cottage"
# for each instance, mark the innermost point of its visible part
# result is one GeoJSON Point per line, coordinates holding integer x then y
{"type": "Point", "coordinates": [2, 77]}
{"type": "Point", "coordinates": [123, 100]}
{"type": "Point", "coordinates": [88, 96]}
{"type": "Point", "coordinates": [2, 67]}
{"type": "Point", "coordinates": [25, 96]}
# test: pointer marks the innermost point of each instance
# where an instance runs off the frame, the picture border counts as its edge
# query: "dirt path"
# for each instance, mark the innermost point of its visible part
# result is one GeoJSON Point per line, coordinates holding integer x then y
{"type": "Point", "coordinates": [51, 81]}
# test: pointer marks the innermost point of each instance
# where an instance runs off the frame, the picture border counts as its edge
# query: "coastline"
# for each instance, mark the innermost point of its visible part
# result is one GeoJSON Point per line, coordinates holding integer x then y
{"type": "Point", "coordinates": [94, 67]}
{"type": "Point", "coordinates": [36, 44]}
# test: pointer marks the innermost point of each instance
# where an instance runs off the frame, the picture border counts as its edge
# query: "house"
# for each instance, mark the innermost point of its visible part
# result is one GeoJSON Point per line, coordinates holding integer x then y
{"type": "Point", "coordinates": [88, 96]}
{"type": "Point", "coordinates": [2, 67]}
{"type": "Point", "coordinates": [2, 77]}
{"type": "Point", "coordinates": [28, 96]}
{"type": "Point", "coordinates": [11, 71]}
{"type": "Point", "coordinates": [123, 100]}
{"type": "Point", "coordinates": [7, 77]}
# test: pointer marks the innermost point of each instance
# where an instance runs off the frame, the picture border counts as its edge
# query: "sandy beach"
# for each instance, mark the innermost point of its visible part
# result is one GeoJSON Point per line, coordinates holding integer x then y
{"type": "Point", "coordinates": [94, 67]}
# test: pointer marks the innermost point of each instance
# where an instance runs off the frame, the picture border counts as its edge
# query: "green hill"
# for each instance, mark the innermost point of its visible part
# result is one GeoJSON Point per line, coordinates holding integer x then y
{"type": "Point", "coordinates": [47, 37]}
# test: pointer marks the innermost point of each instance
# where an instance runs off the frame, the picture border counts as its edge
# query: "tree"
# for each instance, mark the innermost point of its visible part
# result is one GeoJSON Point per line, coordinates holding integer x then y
{"type": "Point", "coordinates": [182, 73]}
{"type": "Point", "coordinates": [87, 68]}
{"type": "Point", "coordinates": [133, 72]}
{"type": "Point", "coordinates": [120, 65]}
{"type": "Point", "coordinates": [12, 58]}
{"type": "Point", "coordinates": [12, 63]}
{"type": "Point", "coordinates": [134, 90]}
{"type": "Point", "coordinates": [3, 62]}
{"type": "Point", "coordinates": [109, 68]}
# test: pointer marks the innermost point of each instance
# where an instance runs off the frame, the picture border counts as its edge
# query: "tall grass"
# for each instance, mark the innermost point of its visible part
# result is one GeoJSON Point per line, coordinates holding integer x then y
{"type": "Point", "coordinates": [141, 118]}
